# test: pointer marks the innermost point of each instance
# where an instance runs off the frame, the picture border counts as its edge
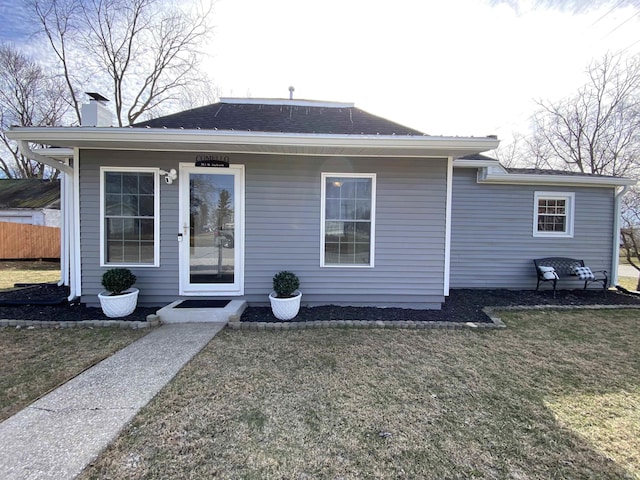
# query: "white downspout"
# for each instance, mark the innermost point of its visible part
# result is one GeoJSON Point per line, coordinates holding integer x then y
{"type": "Point", "coordinates": [25, 150]}
{"type": "Point", "coordinates": [616, 236]}
{"type": "Point", "coordinates": [64, 240]}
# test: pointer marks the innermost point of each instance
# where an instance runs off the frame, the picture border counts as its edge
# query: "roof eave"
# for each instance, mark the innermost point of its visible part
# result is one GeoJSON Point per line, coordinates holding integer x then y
{"type": "Point", "coordinates": [493, 176]}
{"type": "Point", "coordinates": [473, 163]}
{"type": "Point", "coordinates": [253, 142]}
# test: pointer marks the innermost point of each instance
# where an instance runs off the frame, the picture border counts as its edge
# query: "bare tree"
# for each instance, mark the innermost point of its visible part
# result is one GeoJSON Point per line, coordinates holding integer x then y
{"type": "Point", "coordinates": [146, 52]}
{"type": "Point", "coordinates": [28, 97]}
{"type": "Point", "coordinates": [595, 131]}
{"type": "Point", "coordinates": [630, 232]}
{"type": "Point", "coordinates": [598, 130]}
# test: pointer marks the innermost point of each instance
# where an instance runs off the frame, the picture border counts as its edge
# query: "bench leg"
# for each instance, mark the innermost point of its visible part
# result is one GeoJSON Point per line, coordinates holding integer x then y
{"type": "Point", "coordinates": [604, 284]}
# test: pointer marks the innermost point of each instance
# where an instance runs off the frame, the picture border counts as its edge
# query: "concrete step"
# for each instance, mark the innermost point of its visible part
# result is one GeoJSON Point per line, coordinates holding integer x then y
{"type": "Point", "coordinates": [171, 314]}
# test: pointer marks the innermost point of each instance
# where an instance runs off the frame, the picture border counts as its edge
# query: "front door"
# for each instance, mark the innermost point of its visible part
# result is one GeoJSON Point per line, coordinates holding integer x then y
{"type": "Point", "coordinates": [212, 239]}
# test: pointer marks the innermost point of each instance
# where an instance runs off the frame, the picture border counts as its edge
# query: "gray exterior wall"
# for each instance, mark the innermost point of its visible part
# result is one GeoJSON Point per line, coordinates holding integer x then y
{"type": "Point", "coordinates": [282, 229]}
{"type": "Point", "coordinates": [492, 242]}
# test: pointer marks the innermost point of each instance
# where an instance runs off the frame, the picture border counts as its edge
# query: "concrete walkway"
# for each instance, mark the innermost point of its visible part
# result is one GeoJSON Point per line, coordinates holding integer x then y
{"type": "Point", "coordinates": [58, 435]}
{"type": "Point", "coordinates": [627, 271]}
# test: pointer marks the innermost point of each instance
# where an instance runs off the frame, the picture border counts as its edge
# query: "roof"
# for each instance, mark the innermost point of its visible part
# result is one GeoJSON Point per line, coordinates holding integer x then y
{"type": "Point", "coordinates": [549, 171]}
{"type": "Point", "coordinates": [29, 193]}
{"type": "Point", "coordinates": [281, 116]}
{"type": "Point", "coordinates": [263, 126]}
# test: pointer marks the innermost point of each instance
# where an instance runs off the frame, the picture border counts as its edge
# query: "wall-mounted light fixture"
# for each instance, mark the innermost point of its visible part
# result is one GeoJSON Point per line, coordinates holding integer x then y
{"type": "Point", "coordinates": [169, 176]}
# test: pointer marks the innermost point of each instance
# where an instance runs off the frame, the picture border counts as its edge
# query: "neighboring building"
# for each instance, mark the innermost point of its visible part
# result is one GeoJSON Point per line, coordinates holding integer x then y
{"type": "Point", "coordinates": [214, 201]}
{"type": "Point", "coordinates": [30, 201]}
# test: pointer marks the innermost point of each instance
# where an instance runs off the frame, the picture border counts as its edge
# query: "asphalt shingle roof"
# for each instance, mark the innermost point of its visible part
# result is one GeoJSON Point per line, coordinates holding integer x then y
{"type": "Point", "coordinates": [29, 193]}
{"type": "Point", "coordinates": [286, 117]}
{"type": "Point", "coordinates": [546, 171]}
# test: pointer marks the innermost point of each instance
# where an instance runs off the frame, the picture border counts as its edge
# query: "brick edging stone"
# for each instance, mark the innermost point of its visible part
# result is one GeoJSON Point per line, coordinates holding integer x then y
{"type": "Point", "coordinates": [496, 321]}
{"type": "Point", "coordinates": [152, 321]}
{"type": "Point", "coordinates": [370, 324]}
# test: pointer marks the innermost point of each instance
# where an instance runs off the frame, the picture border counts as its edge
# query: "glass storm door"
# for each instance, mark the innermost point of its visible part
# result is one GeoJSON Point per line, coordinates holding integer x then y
{"type": "Point", "coordinates": [211, 236]}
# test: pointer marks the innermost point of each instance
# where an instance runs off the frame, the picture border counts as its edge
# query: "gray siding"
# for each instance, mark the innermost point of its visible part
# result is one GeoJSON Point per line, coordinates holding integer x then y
{"type": "Point", "coordinates": [157, 283]}
{"type": "Point", "coordinates": [282, 229]}
{"type": "Point", "coordinates": [492, 242]}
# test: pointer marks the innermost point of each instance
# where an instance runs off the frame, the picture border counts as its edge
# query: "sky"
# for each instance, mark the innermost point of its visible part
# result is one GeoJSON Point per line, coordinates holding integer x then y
{"type": "Point", "coordinates": [447, 67]}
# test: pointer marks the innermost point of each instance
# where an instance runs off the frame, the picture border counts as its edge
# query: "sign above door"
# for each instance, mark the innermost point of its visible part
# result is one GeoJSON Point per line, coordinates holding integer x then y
{"type": "Point", "coordinates": [212, 160]}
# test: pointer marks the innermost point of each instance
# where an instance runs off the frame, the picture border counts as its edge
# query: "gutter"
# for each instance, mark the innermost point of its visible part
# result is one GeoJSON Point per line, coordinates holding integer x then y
{"type": "Point", "coordinates": [498, 175]}
{"type": "Point", "coordinates": [616, 235]}
{"type": "Point", "coordinates": [128, 138]}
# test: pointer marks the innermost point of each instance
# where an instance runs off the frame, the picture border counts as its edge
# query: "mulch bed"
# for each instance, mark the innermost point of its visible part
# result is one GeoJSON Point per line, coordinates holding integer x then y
{"type": "Point", "coordinates": [461, 306]}
{"type": "Point", "coordinates": [48, 302]}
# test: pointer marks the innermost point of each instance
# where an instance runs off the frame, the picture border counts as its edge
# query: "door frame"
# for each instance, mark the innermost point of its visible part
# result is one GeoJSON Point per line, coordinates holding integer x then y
{"type": "Point", "coordinates": [187, 288]}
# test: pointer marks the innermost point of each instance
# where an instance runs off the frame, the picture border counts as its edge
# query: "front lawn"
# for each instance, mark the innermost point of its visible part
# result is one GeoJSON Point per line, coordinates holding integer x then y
{"type": "Point", "coordinates": [555, 395]}
{"type": "Point", "coordinates": [26, 271]}
{"type": "Point", "coordinates": [35, 361]}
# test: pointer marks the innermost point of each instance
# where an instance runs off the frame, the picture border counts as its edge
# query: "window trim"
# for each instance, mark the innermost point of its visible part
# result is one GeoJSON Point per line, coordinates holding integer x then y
{"type": "Point", "coordinates": [569, 198]}
{"type": "Point", "coordinates": [323, 204]}
{"type": "Point", "coordinates": [156, 216]}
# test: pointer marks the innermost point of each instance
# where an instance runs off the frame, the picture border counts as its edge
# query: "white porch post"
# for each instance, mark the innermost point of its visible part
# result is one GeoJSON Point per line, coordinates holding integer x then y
{"type": "Point", "coordinates": [74, 232]}
{"type": "Point", "coordinates": [447, 234]}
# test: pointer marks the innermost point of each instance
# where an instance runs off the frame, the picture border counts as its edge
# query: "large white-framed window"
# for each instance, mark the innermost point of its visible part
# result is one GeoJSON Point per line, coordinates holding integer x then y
{"type": "Point", "coordinates": [348, 220]}
{"type": "Point", "coordinates": [129, 216]}
{"type": "Point", "coordinates": [553, 214]}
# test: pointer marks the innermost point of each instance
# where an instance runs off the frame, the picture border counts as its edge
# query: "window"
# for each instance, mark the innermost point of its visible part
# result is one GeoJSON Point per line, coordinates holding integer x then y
{"type": "Point", "coordinates": [348, 213]}
{"type": "Point", "coordinates": [553, 214]}
{"type": "Point", "coordinates": [129, 215]}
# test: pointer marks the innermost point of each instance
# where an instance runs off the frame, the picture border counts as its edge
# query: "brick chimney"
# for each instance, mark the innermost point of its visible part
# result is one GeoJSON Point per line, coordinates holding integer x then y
{"type": "Point", "coordinates": [95, 113]}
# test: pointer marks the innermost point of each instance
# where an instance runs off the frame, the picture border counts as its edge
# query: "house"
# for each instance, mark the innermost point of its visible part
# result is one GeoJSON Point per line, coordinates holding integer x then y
{"type": "Point", "coordinates": [213, 201]}
{"type": "Point", "coordinates": [29, 219]}
{"type": "Point", "coordinates": [30, 201]}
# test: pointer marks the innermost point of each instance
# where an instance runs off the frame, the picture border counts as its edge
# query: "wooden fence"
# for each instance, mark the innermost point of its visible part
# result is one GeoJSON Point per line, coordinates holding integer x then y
{"type": "Point", "coordinates": [28, 242]}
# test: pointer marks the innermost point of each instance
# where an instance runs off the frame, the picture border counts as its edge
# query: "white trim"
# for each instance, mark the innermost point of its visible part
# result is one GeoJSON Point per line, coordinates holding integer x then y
{"type": "Point", "coordinates": [74, 244]}
{"type": "Point", "coordinates": [475, 163]}
{"type": "Point", "coordinates": [156, 139]}
{"type": "Point", "coordinates": [285, 102]}
{"type": "Point", "coordinates": [372, 234]}
{"type": "Point", "coordinates": [237, 288]}
{"type": "Point", "coordinates": [570, 199]}
{"type": "Point", "coordinates": [156, 216]}
{"type": "Point", "coordinates": [58, 153]}
{"type": "Point", "coordinates": [496, 174]}
{"type": "Point", "coordinates": [447, 229]}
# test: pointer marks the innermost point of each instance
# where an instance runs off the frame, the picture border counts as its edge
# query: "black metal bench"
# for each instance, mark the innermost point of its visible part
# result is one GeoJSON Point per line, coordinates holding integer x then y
{"type": "Point", "coordinates": [563, 267]}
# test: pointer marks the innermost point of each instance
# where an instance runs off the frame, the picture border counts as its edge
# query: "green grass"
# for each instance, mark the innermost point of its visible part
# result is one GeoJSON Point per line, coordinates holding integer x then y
{"type": "Point", "coordinates": [555, 395]}
{"type": "Point", "coordinates": [36, 361]}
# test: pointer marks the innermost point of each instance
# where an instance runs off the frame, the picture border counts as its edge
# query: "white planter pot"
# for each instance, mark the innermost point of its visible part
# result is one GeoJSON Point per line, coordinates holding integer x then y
{"type": "Point", "coordinates": [116, 306]}
{"type": "Point", "coordinates": [285, 308]}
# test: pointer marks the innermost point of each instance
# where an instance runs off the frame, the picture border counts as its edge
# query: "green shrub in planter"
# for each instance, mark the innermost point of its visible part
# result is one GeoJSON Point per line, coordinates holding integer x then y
{"type": "Point", "coordinates": [117, 280]}
{"type": "Point", "coordinates": [285, 283]}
